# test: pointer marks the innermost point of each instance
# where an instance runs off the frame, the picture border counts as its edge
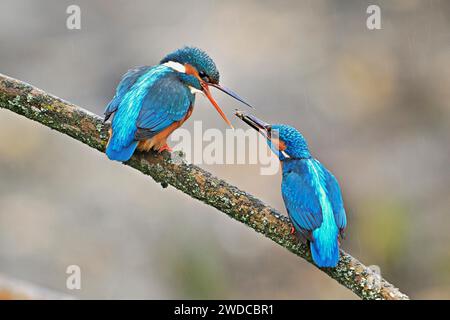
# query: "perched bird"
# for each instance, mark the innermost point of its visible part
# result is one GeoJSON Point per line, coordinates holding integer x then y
{"type": "Point", "coordinates": [152, 101]}
{"type": "Point", "coordinates": [310, 192]}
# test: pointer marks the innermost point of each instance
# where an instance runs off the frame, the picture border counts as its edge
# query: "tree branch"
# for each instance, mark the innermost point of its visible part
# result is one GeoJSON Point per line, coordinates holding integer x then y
{"type": "Point", "coordinates": [166, 169]}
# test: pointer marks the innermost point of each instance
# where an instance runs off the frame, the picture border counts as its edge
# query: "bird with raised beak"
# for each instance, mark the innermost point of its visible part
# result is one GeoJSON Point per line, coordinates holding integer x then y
{"type": "Point", "coordinates": [311, 193]}
{"type": "Point", "coordinates": [152, 101]}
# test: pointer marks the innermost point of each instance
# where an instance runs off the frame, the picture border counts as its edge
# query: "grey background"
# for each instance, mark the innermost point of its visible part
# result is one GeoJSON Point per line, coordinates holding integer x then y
{"type": "Point", "coordinates": [374, 106]}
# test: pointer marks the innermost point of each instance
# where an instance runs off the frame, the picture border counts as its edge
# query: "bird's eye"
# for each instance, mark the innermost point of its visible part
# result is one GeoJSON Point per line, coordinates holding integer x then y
{"type": "Point", "coordinates": [204, 77]}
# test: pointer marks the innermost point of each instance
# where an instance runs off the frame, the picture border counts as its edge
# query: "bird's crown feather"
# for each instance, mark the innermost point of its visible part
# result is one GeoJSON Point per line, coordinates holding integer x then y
{"type": "Point", "coordinates": [196, 58]}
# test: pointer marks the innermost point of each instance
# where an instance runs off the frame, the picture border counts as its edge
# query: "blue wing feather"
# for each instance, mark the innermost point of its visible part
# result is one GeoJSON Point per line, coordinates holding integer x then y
{"type": "Point", "coordinates": [300, 197]}
{"type": "Point", "coordinates": [314, 203]}
{"type": "Point", "coordinates": [125, 84]}
{"type": "Point", "coordinates": [167, 101]}
{"type": "Point", "coordinates": [335, 197]}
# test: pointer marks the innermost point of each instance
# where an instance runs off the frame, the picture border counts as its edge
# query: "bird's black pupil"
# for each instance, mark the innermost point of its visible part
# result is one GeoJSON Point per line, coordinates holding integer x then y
{"type": "Point", "coordinates": [203, 75]}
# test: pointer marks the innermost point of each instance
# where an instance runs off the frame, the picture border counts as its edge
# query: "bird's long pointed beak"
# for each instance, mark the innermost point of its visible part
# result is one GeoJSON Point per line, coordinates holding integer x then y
{"type": "Point", "coordinates": [230, 93]}
{"type": "Point", "coordinates": [214, 103]}
{"type": "Point", "coordinates": [254, 122]}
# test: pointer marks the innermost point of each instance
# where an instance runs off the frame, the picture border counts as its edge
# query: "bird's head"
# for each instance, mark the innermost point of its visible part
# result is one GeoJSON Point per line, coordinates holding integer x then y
{"type": "Point", "coordinates": [285, 141]}
{"type": "Point", "coordinates": [199, 72]}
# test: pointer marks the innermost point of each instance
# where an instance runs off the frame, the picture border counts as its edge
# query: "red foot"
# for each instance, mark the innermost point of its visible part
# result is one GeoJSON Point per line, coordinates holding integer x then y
{"type": "Point", "coordinates": [165, 148]}
{"type": "Point", "coordinates": [292, 230]}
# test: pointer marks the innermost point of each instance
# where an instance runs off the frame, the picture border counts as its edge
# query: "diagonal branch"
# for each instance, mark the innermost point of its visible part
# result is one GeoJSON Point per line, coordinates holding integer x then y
{"type": "Point", "coordinates": [166, 169]}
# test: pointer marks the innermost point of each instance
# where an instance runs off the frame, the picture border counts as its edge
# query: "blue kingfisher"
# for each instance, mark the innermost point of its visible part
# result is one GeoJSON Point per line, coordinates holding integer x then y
{"type": "Point", "coordinates": [311, 193]}
{"type": "Point", "coordinates": [152, 101]}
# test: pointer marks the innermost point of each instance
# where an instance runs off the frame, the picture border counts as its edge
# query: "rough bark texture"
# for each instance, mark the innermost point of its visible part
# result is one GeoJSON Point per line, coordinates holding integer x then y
{"type": "Point", "coordinates": [171, 169]}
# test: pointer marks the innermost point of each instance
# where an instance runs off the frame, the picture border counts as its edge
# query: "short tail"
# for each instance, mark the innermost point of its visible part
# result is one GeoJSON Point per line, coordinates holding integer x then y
{"type": "Point", "coordinates": [120, 154]}
{"type": "Point", "coordinates": [325, 254]}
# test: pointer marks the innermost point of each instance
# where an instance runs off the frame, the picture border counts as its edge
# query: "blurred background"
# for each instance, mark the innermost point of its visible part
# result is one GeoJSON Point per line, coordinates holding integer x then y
{"type": "Point", "coordinates": [373, 104]}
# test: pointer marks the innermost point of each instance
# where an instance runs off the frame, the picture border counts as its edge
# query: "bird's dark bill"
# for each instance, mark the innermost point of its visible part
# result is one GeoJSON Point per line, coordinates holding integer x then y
{"type": "Point", "coordinates": [254, 122]}
{"type": "Point", "coordinates": [230, 93]}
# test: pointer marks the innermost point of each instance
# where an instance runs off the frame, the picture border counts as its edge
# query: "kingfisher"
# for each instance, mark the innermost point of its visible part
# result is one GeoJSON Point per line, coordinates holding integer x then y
{"type": "Point", "coordinates": [311, 193]}
{"type": "Point", "coordinates": [152, 101]}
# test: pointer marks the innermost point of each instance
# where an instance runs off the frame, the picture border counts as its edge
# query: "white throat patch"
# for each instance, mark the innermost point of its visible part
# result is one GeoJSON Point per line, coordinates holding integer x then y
{"type": "Point", "coordinates": [181, 68]}
{"type": "Point", "coordinates": [195, 90]}
{"type": "Point", "coordinates": [175, 66]}
{"type": "Point", "coordinates": [285, 154]}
